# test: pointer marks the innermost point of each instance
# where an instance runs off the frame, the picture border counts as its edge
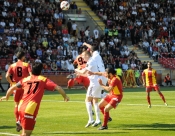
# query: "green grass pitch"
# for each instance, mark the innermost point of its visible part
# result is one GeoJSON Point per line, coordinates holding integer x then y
{"type": "Point", "coordinates": [131, 118]}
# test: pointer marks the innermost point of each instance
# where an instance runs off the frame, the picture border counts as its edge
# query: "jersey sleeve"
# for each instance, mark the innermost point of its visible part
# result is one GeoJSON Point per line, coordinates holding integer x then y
{"type": "Point", "coordinates": [50, 85]}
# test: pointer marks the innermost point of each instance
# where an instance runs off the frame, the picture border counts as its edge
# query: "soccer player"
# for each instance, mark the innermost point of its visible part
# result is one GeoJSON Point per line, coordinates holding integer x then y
{"type": "Point", "coordinates": [113, 98]}
{"type": "Point", "coordinates": [33, 88]}
{"type": "Point", "coordinates": [18, 71]}
{"type": "Point", "coordinates": [94, 89]}
{"type": "Point", "coordinates": [149, 77]}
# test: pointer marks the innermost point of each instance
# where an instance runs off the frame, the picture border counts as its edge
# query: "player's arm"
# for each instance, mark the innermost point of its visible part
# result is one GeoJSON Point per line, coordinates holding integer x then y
{"type": "Point", "coordinates": [8, 78]}
{"type": "Point", "coordinates": [83, 71]}
{"type": "Point", "coordinates": [62, 92]}
{"type": "Point", "coordinates": [87, 45]}
{"type": "Point", "coordinates": [143, 78]}
{"type": "Point", "coordinates": [107, 88]}
{"type": "Point", "coordinates": [9, 92]}
{"type": "Point", "coordinates": [97, 73]}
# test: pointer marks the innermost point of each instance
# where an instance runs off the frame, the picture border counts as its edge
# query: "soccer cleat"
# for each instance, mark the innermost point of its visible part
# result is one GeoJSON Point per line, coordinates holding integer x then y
{"type": "Point", "coordinates": [18, 126]}
{"type": "Point", "coordinates": [89, 124]}
{"type": "Point", "coordinates": [103, 127]}
{"type": "Point", "coordinates": [149, 106]}
{"type": "Point", "coordinates": [109, 119]}
{"type": "Point", "coordinates": [166, 104]}
{"type": "Point", "coordinates": [71, 76]}
{"type": "Point", "coordinates": [96, 124]}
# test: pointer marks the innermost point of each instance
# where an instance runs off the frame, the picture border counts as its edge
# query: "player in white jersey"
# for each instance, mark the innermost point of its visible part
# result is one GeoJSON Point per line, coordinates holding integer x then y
{"type": "Point", "coordinates": [94, 89]}
{"type": "Point", "coordinates": [98, 59]}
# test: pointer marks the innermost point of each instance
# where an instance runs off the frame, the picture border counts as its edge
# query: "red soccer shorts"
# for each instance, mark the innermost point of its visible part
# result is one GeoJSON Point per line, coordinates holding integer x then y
{"type": "Point", "coordinates": [85, 82]}
{"type": "Point", "coordinates": [18, 94]}
{"type": "Point", "coordinates": [113, 100]}
{"type": "Point", "coordinates": [150, 88]}
{"type": "Point", "coordinates": [27, 121]}
{"type": "Point", "coordinates": [70, 83]}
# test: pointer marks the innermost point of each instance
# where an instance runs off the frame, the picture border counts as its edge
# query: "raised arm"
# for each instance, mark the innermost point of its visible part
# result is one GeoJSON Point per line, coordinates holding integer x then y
{"type": "Point", "coordinates": [87, 45]}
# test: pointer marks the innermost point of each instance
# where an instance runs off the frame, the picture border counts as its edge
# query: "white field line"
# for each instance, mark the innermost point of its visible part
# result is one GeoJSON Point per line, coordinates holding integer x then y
{"type": "Point", "coordinates": [8, 134]}
{"type": "Point", "coordinates": [172, 106]}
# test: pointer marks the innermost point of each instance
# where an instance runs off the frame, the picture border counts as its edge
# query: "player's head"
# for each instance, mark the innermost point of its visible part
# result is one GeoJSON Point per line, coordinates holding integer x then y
{"type": "Point", "coordinates": [149, 64]}
{"type": "Point", "coordinates": [94, 48]}
{"type": "Point", "coordinates": [86, 55]}
{"type": "Point", "coordinates": [37, 68]}
{"type": "Point", "coordinates": [20, 55]}
{"type": "Point", "coordinates": [110, 72]}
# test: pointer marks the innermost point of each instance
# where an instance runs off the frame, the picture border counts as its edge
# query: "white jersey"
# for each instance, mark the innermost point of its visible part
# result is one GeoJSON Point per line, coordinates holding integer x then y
{"type": "Point", "coordinates": [97, 58]}
{"type": "Point", "coordinates": [100, 65]}
{"type": "Point", "coordinates": [91, 65]}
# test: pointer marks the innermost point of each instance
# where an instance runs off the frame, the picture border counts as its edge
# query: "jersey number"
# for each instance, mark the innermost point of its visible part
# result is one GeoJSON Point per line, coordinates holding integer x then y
{"type": "Point", "coordinates": [36, 84]}
{"type": "Point", "coordinates": [80, 60]}
{"type": "Point", "coordinates": [19, 71]}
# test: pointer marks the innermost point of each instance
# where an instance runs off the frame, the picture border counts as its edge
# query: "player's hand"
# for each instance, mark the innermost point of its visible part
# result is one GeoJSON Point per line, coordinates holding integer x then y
{"type": "Point", "coordinates": [100, 81]}
{"type": "Point", "coordinates": [3, 98]}
{"type": "Point", "coordinates": [66, 99]}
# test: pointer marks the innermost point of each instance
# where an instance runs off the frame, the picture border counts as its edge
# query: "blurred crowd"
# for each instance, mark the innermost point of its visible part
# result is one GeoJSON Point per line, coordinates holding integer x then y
{"type": "Point", "coordinates": [41, 30]}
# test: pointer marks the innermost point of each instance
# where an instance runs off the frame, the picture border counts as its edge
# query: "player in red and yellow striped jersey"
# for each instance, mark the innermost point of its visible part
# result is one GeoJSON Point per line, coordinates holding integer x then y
{"type": "Point", "coordinates": [114, 97]}
{"type": "Point", "coordinates": [149, 80]}
{"type": "Point", "coordinates": [33, 88]}
{"type": "Point", "coordinates": [18, 71]}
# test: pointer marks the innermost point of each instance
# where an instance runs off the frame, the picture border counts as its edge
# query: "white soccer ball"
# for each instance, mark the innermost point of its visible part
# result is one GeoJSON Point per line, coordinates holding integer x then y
{"type": "Point", "coordinates": [64, 5]}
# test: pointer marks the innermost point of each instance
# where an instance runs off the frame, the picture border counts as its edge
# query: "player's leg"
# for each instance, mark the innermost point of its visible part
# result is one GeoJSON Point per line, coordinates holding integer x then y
{"type": "Point", "coordinates": [148, 90]}
{"type": "Point", "coordinates": [96, 95]}
{"type": "Point", "coordinates": [28, 123]}
{"type": "Point", "coordinates": [70, 83]}
{"type": "Point", "coordinates": [17, 97]}
{"type": "Point", "coordinates": [88, 100]}
{"type": "Point", "coordinates": [160, 94]}
{"type": "Point", "coordinates": [26, 132]}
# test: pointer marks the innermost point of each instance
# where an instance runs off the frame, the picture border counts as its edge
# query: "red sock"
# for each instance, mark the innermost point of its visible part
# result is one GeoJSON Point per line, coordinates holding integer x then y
{"type": "Point", "coordinates": [102, 110]}
{"type": "Point", "coordinates": [163, 98]}
{"type": "Point", "coordinates": [148, 99]}
{"type": "Point", "coordinates": [16, 113]}
{"type": "Point", "coordinates": [106, 117]}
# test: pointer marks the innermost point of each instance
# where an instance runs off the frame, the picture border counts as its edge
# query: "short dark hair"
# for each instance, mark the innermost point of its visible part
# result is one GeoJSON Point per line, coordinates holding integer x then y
{"type": "Point", "coordinates": [37, 68]}
{"type": "Point", "coordinates": [111, 70]}
{"type": "Point", "coordinates": [149, 62]}
{"type": "Point", "coordinates": [94, 48]}
{"type": "Point", "coordinates": [20, 54]}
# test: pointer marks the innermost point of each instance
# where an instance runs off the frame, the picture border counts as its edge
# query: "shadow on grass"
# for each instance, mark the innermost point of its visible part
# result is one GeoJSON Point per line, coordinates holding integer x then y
{"type": "Point", "coordinates": [155, 126]}
{"type": "Point", "coordinates": [87, 133]}
{"type": "Point", "coordinates": [7, 127]}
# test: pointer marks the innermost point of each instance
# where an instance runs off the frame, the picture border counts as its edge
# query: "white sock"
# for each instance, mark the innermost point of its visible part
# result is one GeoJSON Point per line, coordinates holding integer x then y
{"type": "Point", "coordinates": [97, 112]}
{"type": "Point", "coordinates": [89, 111]}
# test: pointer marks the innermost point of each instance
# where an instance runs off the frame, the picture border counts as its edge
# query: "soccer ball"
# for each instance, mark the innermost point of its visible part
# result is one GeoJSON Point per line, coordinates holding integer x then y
{"type": "Point", "coordinates": [64, 5]}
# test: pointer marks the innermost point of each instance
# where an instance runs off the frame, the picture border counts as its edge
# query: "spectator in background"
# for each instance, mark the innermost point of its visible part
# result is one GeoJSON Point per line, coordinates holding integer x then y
{"type": "Point", "coordinates": [38, 60]}
{"type": "Point", "coordinates": [69, 26]}
{"type": "Point", "coordinates": [7, 66]}
{"type": "Point", "coordinates": [54, 66]}
{"type": "Point", "coordinates": [74, 28]}
{"type": "Point", "coordinates": [125, 66]}
{"type": "Point", "coordinates": [168, 80]}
